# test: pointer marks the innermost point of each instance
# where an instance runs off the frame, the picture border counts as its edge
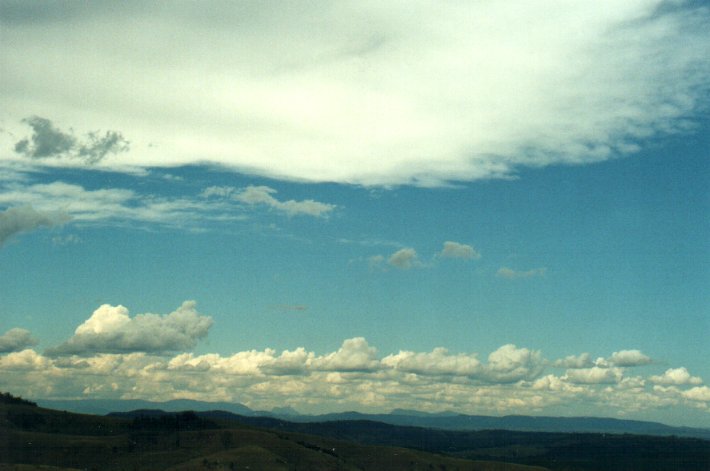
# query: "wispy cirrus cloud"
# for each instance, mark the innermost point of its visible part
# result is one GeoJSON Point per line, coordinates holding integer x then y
{"type": "Point", "coordinates": [373, 98]}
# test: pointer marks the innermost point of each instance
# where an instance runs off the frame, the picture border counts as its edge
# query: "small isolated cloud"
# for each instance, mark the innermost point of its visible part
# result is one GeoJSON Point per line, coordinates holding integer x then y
{"type": "Point", "coordinates": [111, 330]}
{"type": "Point", "coordinates": [511, 274]}
{"type": "Point", "coordinates": [49, 141]}
{"type": "Point", "coordinates": [458, 250]}
{"type": "Point", "coordinates": [629, 358]}
{"type": "Point", "coordinates": [574, 361]}
{"type": "Point", "coordinates": [676, 376]}
{"type": "Point", "coordinates": [404, 259]}
{"type": "Point", "coordinates": [15, 340]}
{"type": "Point", "coordinates": [263, 195]}
{"type": "Point", "coordinates": [26, 218]}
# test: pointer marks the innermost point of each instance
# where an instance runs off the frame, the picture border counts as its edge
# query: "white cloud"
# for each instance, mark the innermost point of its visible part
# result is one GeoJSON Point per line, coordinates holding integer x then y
{"type": "Point", "coordinates": [26, 218]}
{"type": "Point", "coordinates": [698, 393]}
{"type": "Point", "coordinates": [510, 363]}
{"type": "Point", "coordinates": [676, 376]}
{"type": "Point", "coordinates": [382, 94]}
{"type": "Point", "coordinates": [511, 274]}
{"type": "Point", "coordinates": [436, 362]}
{"type": "Point", "coordinates": [458, 250]}
{"type": "Point", "coordinates": [404, 259]}
{"type": "Point", "coordinates": [574, 361]}
{"type": "Point", "coordinates": [629, 358]}
{"type": "Point", "coordinates": [110, 329]}
{"type": "Point", "coordinates": [263, 195]}
{"type": "Point", "coordinates": [594, 375]}
{"type": "Point", "coordinates": [16, 339]}
{"type": "Point", "coordinates": [354, 355]}
{"type": "Point", "coordinates": [513, 380]}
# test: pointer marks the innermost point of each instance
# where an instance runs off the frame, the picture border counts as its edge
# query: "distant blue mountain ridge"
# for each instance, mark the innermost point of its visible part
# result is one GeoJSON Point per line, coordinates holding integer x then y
{"type": "Point", "coordinates": [403, 417]}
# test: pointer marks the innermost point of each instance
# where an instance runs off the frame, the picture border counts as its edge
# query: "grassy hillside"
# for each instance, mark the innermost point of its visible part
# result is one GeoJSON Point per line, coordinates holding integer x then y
{"type": "Point", "coordinates": [33, 438]}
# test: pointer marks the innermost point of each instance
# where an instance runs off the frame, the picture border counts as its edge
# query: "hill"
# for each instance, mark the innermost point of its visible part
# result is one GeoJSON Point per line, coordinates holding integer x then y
{"type": "Point", "coordinates": [34, 438]}
{"type": "Point", "coordinates": [444, 421]}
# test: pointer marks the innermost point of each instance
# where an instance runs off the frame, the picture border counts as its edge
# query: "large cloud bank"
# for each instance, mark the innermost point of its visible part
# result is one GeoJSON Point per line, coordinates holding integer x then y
{"type": "Point", "coordinates": [365, 92]}
{"type": "Point", "coordinates": [114, 355]}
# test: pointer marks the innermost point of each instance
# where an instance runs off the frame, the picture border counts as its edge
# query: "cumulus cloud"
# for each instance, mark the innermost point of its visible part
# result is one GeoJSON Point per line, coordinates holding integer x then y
{"type": "Point", "coordinates": [15, 340]}
{"type": "Point", "coordinates": [458, 250]}
{"type": "Point", "coordinates": [110, 329]}
{"type": "Point", "coordinates": [512, 380]}
{"type": "Point", "coordinates": [511, 274]}
{"type": "Point", "coordinates": [49, 141]}
{"type": "Point", "coordinates": [354, 355]}
{"type": "Point", "coordinates": [574, 361]}
{"type": "Point", "coordinates": [676, 376]}
{"type": "Point", "coordinates": [594, 375]}
{"type": "Point", "coordinates": [404, 259]}
{"type": "Point", "coordinates": [263, 195]}
{"type": "Point", "coordinates": [436, 362]}
{"type": "Point", "coordinates": [510, 363]}
{"type": "Point", "coordinates": [629, 358]}
{"type": "Point", "coordinates": [26, 218]}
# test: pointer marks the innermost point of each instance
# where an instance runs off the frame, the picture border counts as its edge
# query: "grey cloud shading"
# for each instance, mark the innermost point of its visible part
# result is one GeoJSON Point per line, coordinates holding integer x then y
{"type": "Point", "coordinates": [458, 250]}
{"type": "Point", "coordinates": [49, 141]}
{"type": "Point", "coordinates": [110, 329]}
{"type": "Point", "coordinates": [511, 274]}
{"type": "Point", "coordinates": [263, 195]}
{"type": "Point", "coordinates": [46, 140]}
{"type": "Point", "coordinates": [574, 361]}
{"type": "Point", "coordinates": [26, 218]}
{"type": "Point", "coordinates": [15, 340]}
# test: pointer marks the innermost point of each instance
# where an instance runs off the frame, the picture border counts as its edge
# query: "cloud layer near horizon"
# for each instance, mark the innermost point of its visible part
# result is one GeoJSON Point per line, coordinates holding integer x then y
{"type": "Point", "coordinates": [113, 355]}
{"type": "Point", "coordinates": [356, 92]}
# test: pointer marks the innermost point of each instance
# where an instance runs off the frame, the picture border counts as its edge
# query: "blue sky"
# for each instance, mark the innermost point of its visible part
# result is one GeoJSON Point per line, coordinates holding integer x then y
{"type": "Point", "coordinates": [405, 209]}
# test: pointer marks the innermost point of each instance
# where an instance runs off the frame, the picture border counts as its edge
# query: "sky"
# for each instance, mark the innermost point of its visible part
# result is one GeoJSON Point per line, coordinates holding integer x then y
{"type": "Point", "coordinates": [482, 207]}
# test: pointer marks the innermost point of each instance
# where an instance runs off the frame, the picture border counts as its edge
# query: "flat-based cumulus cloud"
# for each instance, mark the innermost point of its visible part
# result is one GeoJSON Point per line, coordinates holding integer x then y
{"type": "Point", "coordinates": [359, 92]}
{"type": "Point", "coordinates": [25, 218]}
{"type": "Point", "coordinates": [15, 340]}
{"type": "Point", "coordinates": [110, 329]}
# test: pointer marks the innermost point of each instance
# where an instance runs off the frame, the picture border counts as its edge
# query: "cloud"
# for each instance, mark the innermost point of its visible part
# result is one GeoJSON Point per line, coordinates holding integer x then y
{"type": "Point", "coordinates": [436, 362]}
{"type": "Point", "coordinates": [629, 358]}
{"type": "Point", "coordinates": [511, 274]}
{"type": "Point", "coordinates": [510, 363]}
{"type": "Point", "coordinates": [458, 250]}
{"type": "Point", "coordinates": [111, 205]}
{"type": "Point", "coordinates": [676, 376]}
{"type": "Point", "coordinates": [594, 375]}
{"type": "Point", "coordinates": [374, 97]}
{"type": "Point", "coordinates": [698, 393]}
{"type": "Point", "coordinates": [110, 329]}
{"type": "Point", "coordinates": [404, 259]}
{"type": "Point", "coordinates": [48, 141]}
{"type": "Point", "coordinates": [262, 195]}
{"type": "Point", "coordinates": [512, 381]}
{"type": "Point", "coordinates": [26, 218]}
{"type": "Point", "coordinates": [354, 355]}
{"type": "Point", "coordinates": [15, 340]}
{"type": "Point", "coordinates": [574, 361]}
